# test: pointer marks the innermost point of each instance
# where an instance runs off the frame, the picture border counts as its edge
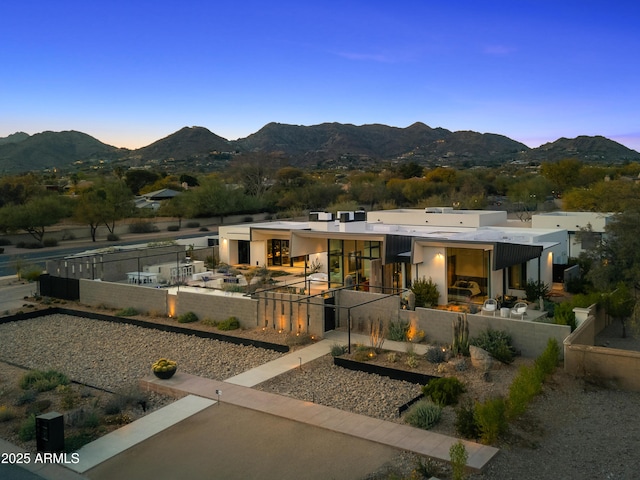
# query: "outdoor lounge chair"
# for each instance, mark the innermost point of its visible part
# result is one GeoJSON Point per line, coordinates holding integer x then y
{"type": "Point", "coordinates": [490, 307]}
{"type": "Point", "coordinates": [519, 310]}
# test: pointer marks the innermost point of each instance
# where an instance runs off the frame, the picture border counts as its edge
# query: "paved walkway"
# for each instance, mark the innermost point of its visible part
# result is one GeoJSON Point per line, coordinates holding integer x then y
{"type": "Point", "coordinates": [198, 393]}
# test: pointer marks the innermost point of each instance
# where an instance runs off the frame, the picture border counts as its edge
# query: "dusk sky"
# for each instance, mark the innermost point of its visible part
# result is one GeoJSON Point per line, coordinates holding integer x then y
{"type": "Point", "coordinates": [131, 72]}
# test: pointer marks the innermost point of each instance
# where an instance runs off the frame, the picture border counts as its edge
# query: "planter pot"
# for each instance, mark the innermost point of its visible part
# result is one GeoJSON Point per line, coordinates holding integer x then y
{"type": "Point", "coordinates": [165, 375]}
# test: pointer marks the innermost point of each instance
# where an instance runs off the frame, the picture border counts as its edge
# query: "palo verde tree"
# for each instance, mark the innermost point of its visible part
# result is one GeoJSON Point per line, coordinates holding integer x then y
{"type": "Point", "coordinates": [35, 215]}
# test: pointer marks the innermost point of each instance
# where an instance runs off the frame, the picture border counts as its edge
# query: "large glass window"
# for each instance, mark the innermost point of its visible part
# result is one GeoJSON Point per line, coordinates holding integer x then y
{"type": "Point", "coordinates": [467, 274]}
{"type": "Point", "coordinates": [518, 276]}
{"type": "Point", "coordinates": [277, 252]}
{"type": "Point", "coordinates": [350, 261]}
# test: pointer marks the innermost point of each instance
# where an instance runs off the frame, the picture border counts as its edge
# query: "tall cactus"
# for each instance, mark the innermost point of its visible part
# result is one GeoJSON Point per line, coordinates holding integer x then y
{"type": "Point", "coordinates": [460, 345]}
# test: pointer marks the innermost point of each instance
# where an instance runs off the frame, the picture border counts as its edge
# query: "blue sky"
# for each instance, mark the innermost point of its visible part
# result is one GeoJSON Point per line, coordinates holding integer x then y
{"type": "Point", "coordinates": [132, 72]}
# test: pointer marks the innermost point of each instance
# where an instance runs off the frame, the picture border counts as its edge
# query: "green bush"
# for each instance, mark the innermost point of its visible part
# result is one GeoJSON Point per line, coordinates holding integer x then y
{"type": "Point", "coordinates": [231, 323]}
{"type": "Point", "coordinates": [423, 414]}
{"type": "Point", "coordinates": [497, 343]}
{"type": "Point", "coordinates": [563, 315]}
{"type": "Point", "coordinates": [491, 418]}
{"type": "Point", "coordinates": [193, 224]}
{"type": "Point", "coordinates": [173, 228]}
{"type": "Point", "coordinates": [465, 423]}
{"type": "Point", "coordinates": [42, 381]}
{"type": "Point", "coordinates": [5, 241]}
{"type": "Point", "coordinates": [127, 312]}
{"type": "Point", "coordinates": [27, 429]}
{"type": "Point", "coordinates": [112, 237]}
{"type": "Point", "coordinates": [188, 317]}
{"type": "Point", "coordinates": [547, 362]}
{"type": "Point", "coordinates": [458, 456]}
{"type": "Point", "coordinates": [337, 350]}
{"type": "Point", "coordinates": [534, 290]}
{"type": "Point", "coordinates": [398, 331]}
{"type": "Point", "coordinates": [525, 386]}
{"type": "Point", "coordinates": [426, 292]}
{"type": "Point", "coordinates": [297, 339]}
{"type": "Point", "coordinates": [444, 391]}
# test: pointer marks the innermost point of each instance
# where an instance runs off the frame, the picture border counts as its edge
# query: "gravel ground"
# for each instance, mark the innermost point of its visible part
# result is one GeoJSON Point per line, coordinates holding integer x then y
{"type": "Point", "coordinates": [106, 355]}
{"type": "Point", "coordinates": [574, 429]}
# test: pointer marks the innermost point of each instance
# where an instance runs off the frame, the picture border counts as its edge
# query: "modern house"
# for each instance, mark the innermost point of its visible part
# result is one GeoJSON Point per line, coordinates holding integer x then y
{"type": "Point", "coordinates": [585, 229]}
{"type": "Point", "coordinates": [470, 254]}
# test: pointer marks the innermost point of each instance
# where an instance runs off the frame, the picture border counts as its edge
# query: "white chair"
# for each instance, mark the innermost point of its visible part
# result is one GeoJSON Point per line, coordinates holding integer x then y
{"type": "Point", "coordinates": [490, 307]}
{"type": "Point", "coordinates": [519, 310]}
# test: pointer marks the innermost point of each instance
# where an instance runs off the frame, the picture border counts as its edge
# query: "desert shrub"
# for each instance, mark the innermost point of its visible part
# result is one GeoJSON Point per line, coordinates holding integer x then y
{"type": "Point", "coordinates": [50, 242]}
{"type": "Point", "coordinates": [444, 391]}
{"type": "Point", "coordinates": [209, 322]}
{"type": "Point", "coordinates": [563, 315]}
{"type": "Point", "coordinates": [458, 456]}
{"type": "Point", "coordinates": [497, 343]}
{"type": "Point", "coordinates": [142, 226]}
{"type": "Point", "coordinates": [69, 396]}
{"type": "Point", "coordinates": [423, 414]}
{"type": "Point", "coordinates": [297, 339]}
{"type": "Point", "coordinates": [426, 292]}
{"type": "Point", "coordinates": [31, 273]}
{"type": "Point", "coordinates": [524, 387]}
{"type": "Point", "coordinates": [412, 360]}
{"type": "Point", "coordinates": [5, 241]}
{"type": "Point", "coordinates": [193, 224]}
{"type": "Point", "coordinates": [38, 407]}
{"type": "Point", "coordinates": [114, 405]}
{"type": "Point", "coordinates": [127, 312]}
{"type": "Point", "coordinates": [41, 381]}
{"type": "Point", "coordinates": [534, 290]}
{"type": "Point", "coordinates": [435, 355]}
{"type": "Point", "coordinates": [73, 443]}
{"type": "Point", "coordinates": [337, 350]}
{"type": "Point", "coordinates": [547, 362]}
{"type": "Point", "coordinates": [363, 355]}
{"type": "Point", "coordinates": [29, 245]}
{"type": "Point", "coordinates": [189, 317]}
{"type": "Point", "coordinates": [465, 423]}
{"type": "Point", "coordinates": [247, 219]}
{"type": "Point", "coordinates": [528, 383]}
{"type": "Point", "coordinates": [491, 418]}
{"type": "Point", "coordinates": [203, 229]}
{"type": "Point", "coordinates": [173, 228]}
{"type": "Point", "coordinates": [26, 397]}
{"type": "Point", "coordinates": [426, 468]}
{"type": "Point", "coordinates": [27, 429]}
{"type": "Point", "coordinates": [398, 331]}
{"type": "Point", "coordinates": [1, 249]}
{"type": "Point", "coordinates": [231, 323]}
{"type": "Point", "coordinates": [392, 357]}
{"type": "Point", "coordinates": [112, 237]}
{"type": "Point", "coordinates": [6, 414]}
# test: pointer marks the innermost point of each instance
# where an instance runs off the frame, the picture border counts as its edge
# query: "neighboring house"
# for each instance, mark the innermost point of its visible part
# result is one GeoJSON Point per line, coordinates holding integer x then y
{"type": "Point", "coordinates": [573, 223]}
{"type": "Point", "coordinates": [152, 200]}
{"type": "Point", "coordinates": [469, 254]}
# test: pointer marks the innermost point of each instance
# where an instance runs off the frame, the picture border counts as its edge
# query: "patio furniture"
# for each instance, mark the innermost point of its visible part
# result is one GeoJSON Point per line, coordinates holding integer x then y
{"type": "Point", "coordinates": [490, 307]}
{"type": "Point", "coordinates": [519, 310]}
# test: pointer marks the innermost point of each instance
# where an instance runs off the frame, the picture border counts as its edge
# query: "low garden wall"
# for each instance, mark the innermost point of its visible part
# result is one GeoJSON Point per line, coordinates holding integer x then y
{"type": "Point", "coordinates": [529, 338]}
{"type": "Point", "coordinates": [583, 359]}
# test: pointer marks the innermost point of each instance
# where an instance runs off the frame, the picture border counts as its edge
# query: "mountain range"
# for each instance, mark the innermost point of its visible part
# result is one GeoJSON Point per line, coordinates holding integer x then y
{"type": "Point", "coordinates": [326, 145]}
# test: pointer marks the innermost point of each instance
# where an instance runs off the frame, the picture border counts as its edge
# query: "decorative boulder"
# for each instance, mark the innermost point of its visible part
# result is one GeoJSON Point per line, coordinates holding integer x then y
{"type": "Point", "coordinates": [480, 358]}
